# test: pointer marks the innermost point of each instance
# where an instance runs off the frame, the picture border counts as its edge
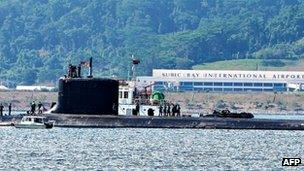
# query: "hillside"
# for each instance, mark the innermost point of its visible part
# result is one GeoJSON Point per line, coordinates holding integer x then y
{"type": "Point", "coordinates": [38, 39]}
{"type": "Point", "coordinates": [254, 64]}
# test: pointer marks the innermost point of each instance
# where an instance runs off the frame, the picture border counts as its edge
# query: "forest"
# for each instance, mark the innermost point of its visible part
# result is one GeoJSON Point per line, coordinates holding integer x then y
{"type": "Point", "coordinates": [39, 38]}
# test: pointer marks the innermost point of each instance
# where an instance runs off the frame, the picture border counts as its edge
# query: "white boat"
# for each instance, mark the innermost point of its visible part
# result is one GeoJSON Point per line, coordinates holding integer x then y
{"type": "Point", "coordinates": [34, 122]}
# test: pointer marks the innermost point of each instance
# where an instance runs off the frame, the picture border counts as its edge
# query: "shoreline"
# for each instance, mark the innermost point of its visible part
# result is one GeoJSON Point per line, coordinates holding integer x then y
{"type": "Point", "coordinates": [191, 102]}
{"type": "Point", "coordinates": [252, 102]}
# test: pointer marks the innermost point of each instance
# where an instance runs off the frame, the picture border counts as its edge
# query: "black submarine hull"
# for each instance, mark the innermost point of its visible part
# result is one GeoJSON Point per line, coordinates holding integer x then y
{"type": "Point", "coordinates": [110, 121]}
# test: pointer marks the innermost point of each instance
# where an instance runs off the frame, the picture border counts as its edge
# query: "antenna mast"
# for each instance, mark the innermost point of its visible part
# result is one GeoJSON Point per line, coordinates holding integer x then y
{"type": "Point", "coordinates": [135, 62]}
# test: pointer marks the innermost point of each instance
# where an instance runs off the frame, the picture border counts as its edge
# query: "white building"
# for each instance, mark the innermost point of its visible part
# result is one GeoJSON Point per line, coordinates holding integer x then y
{"type": "Point", "coordinates": [34, 88]}
{"type": "Point", "coordinates": [2, 87]}
{"type": "Point", "coordinates": [223, 80]}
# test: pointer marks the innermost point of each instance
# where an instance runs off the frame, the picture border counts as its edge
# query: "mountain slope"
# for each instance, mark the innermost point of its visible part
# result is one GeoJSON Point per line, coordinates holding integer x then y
{"type": "Point", "coordinates": [38, 39]}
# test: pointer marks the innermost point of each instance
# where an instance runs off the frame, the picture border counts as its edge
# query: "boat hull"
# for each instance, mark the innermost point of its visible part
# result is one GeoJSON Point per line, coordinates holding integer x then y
{"type": "Point", "coordinates": [34, 126]}
{"type": "Point", "coordinates": [30, 126]}
{"type": "Point", "coordinates": [110, 121]}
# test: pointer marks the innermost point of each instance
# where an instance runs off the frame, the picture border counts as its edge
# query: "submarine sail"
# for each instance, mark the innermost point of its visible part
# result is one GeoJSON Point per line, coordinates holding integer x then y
{"type": "Point", "coordinates": [91, 96]}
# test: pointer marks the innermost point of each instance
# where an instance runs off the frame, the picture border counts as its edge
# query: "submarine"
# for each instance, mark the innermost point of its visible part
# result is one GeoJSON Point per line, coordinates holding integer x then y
{"type": "Point", "coordinates": [94, 103]}
{"type": "Point", "coordinates": [89, 102]}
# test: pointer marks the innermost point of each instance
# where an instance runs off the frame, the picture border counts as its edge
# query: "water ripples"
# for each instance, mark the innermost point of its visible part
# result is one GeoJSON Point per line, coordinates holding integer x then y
{"type": "Point", "coordinates": [164, 149]}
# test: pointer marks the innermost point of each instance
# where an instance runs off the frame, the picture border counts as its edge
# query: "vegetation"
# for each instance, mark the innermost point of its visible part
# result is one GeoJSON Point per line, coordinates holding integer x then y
{"type": "Point", "coordinates": [39, 38]}
{"type": "Point", "coordinates": [254, 64]}
{"type": "Point", "coordinates": [240, 64]}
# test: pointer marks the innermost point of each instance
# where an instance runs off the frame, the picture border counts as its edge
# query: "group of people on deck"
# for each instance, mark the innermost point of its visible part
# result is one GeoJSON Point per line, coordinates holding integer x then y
{"type": "Point", "coordinates": [34, 108]}
{"type": "Point", "coordinates": [33, 105]}
{"type": "Point", "coordinates": [169, 109]}
{"type": "Point", "coordinates": [2, 108]}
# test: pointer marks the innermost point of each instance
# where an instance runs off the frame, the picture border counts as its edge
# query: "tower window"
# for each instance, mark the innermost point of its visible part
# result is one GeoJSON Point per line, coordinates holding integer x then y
{"type": "Point", "coordinates": [126, 94]}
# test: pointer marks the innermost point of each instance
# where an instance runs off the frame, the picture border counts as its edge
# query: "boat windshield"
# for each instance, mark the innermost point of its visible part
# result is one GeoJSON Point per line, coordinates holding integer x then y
{"type": "Point", "coordinates": [26, 119]}
{"type": "Point", "coordinates": [38, 120]}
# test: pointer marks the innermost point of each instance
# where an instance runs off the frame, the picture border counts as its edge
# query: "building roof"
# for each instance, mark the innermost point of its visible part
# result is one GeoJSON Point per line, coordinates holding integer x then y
{"type": "Point", "coordinates": [34, 88]}
{"type": "Point", "coordinates": [2, 87]}
{"type": "Point", "coordinates": [155, 79]}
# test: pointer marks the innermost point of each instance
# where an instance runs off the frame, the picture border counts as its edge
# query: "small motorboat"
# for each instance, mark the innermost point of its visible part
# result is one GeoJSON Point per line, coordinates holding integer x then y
{"type": "Point", "coordinates": [34, 122]}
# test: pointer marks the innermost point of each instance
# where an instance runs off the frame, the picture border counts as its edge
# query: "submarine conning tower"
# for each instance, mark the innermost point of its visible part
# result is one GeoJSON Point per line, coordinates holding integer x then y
{"type": "Point", "coordinates": [91, 96]}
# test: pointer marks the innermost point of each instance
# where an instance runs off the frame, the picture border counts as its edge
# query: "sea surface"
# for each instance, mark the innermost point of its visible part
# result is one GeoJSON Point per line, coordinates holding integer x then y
{"type": "Point", "coordinates": [279, 116]}
{"type": "Point", "coordinates": [147, 149]}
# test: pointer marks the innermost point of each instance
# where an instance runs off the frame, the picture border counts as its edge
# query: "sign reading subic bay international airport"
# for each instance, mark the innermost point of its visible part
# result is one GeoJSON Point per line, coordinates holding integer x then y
{"type": "Point", "coordinates": [224, 80]}
{"type": "Point", "coordinates": [229, 74]}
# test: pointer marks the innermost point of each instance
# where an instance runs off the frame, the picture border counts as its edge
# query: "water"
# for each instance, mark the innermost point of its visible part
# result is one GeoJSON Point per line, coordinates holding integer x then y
{"type": "Point", "coordinates": [288, 116]}
{"type": "Point", "coordinates": [147, 149]}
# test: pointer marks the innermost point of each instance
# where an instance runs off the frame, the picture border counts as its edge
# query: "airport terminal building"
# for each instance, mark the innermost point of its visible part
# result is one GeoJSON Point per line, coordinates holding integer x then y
{"type": "Point", "coordinates": [223, 80]}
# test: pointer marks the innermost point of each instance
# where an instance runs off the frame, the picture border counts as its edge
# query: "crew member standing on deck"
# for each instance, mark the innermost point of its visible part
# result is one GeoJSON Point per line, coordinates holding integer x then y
{"type": "Point", "coordinates": [33, 107]}
{"type": "Point", "coordinates": [174, 109]}
{"type": "Point", "coordinates": [165, 109]}
{"type": "Point", "coordinates": [178, 108]}
{"type": "Point", "coordinates": [1, 109]}
{"type": "Point", "coordinates": [168, 109]}
{"type": "Point", "coordinates": [137, 108]}
{"type": "Point", "coordinates": [10, 109]}
{"type": "Point", "coordinates": [160, 110]}
{"type": "Point", "coordinates": [40, 108]}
